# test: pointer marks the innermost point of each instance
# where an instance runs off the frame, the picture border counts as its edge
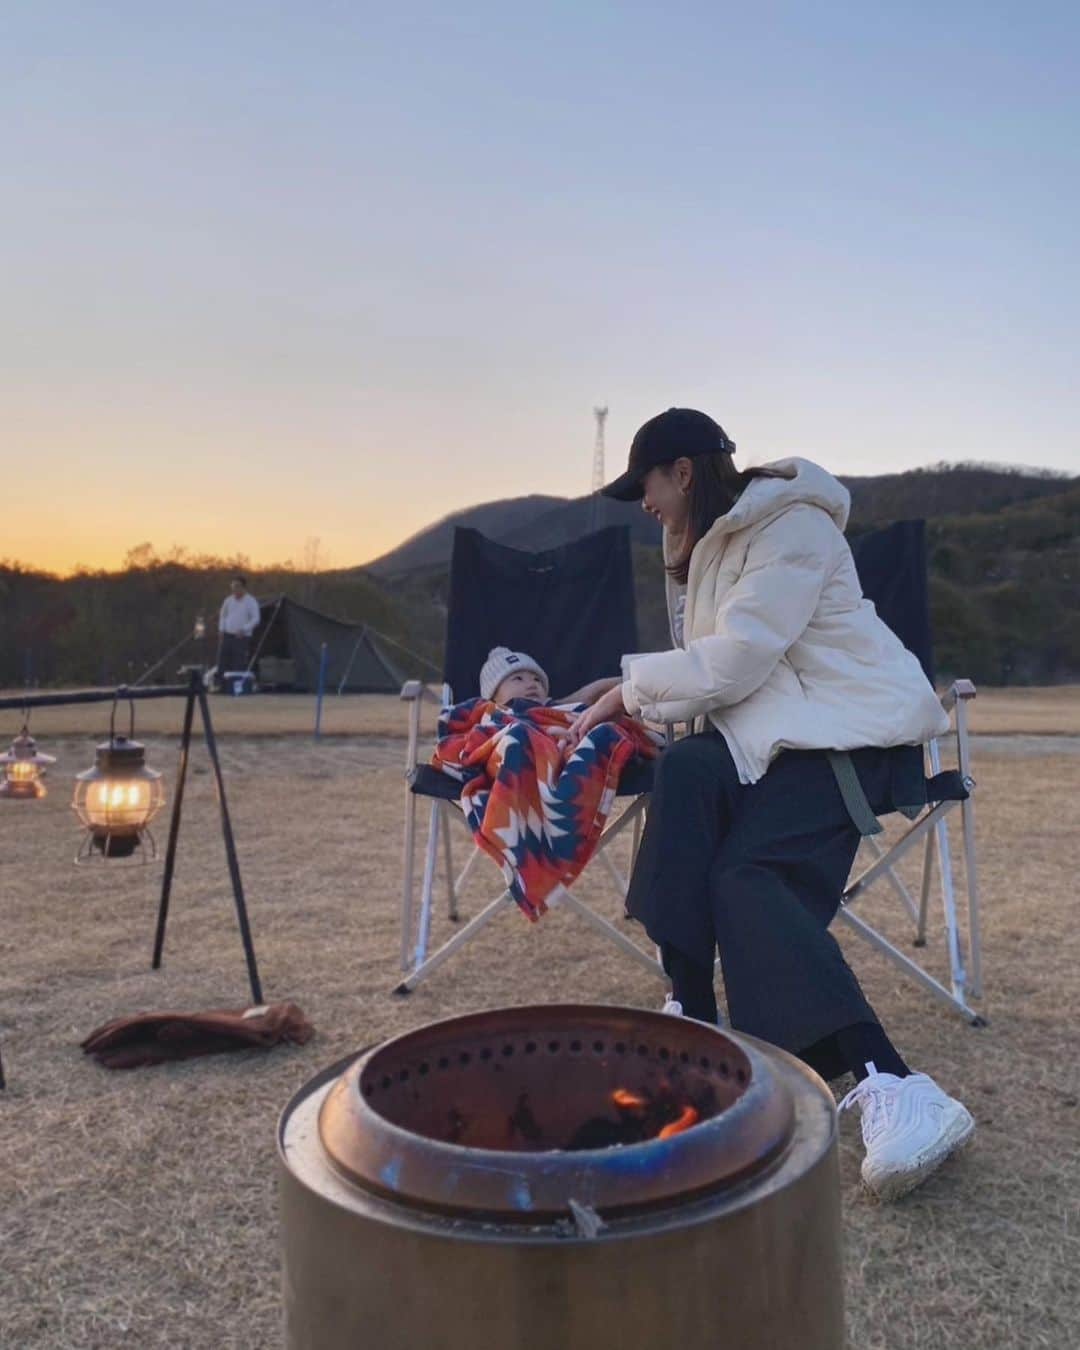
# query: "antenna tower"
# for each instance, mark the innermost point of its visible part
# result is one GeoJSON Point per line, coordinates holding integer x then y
{"type": "Point", "coordinates": [598, 450]}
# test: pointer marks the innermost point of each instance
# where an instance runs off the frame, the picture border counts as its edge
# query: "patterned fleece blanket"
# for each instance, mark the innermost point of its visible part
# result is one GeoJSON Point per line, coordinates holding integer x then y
{"type": "Point", "coordinates": [537, 812]}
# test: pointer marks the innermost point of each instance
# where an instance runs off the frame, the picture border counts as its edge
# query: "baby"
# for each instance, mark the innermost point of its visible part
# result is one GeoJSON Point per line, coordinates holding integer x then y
{"type": "Point", "coordinates": [507, 675]}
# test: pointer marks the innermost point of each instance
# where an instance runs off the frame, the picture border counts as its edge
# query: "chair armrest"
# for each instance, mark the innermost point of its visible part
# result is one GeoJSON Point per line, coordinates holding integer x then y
{"type": "Point", "coordinates": [412, 689]}
{"type": "Point", "coordinates": [958, 690]}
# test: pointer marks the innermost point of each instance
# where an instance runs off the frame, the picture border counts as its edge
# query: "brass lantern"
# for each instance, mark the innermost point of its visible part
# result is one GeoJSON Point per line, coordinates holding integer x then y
{"type": "Point", "coordinates": [24, 768]}
{"type": "Point", "coordinates": [117, 799]}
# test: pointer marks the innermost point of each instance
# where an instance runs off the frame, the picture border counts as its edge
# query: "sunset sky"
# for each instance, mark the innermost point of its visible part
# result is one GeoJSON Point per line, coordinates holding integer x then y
{"type": "Point", "coordinates": [275, 272]}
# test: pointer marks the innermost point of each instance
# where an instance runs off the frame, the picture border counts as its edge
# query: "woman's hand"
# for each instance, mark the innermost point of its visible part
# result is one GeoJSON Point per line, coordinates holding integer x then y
{"type": "Point", "coordinates": [589, 693]}
{"type": "Point", "coordinates": [605, 709]}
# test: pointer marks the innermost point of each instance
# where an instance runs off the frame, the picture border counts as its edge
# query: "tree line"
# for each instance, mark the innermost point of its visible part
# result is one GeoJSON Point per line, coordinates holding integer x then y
{"type": "Point", "coordinates": [1004, 588]}
{"type": "Point", "coordinates": [98, 627]}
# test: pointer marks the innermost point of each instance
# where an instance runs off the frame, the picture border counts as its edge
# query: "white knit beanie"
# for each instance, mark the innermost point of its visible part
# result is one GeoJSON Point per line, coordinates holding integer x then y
{"type": "Point", "coordinates": [501, 661]}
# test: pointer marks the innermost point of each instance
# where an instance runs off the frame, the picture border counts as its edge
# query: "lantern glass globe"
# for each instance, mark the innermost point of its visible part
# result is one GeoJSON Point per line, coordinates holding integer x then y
{"type": "Point", "coordinates": [118, 798]}
{"type": "Point", "coordinates": [23, 768]}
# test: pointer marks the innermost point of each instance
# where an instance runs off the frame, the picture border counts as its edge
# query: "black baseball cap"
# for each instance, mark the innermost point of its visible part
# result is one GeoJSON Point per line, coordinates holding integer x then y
{"type": "Point", "coordinates": [671, 435]}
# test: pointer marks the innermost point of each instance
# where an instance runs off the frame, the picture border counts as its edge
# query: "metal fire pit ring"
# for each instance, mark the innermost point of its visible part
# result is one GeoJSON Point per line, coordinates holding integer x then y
{"type": "Point", "coordinates": [469, 1116]}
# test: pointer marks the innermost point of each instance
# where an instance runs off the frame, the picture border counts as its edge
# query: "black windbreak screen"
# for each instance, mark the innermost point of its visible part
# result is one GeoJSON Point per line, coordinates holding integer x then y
{"type": "Point", "coordinates": [892, 569]}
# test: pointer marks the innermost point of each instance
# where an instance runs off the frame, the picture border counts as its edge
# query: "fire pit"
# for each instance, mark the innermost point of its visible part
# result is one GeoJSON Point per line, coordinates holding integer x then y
{"type": "Point", "coordinates": [556, 1177]}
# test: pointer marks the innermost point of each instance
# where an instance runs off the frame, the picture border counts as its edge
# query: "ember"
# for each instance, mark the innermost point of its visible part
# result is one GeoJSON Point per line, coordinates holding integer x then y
{"type": "Point", "coordinates": [639, 1117]}
{"type": "Point", "coordinates": [687, 1117]}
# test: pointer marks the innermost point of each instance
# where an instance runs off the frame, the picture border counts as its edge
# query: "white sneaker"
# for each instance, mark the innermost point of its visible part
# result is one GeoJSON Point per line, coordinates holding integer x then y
{"type": "Point", "coordinates": [672, 1007]}
{"type": "Point", "coordinates": [909, 1127]}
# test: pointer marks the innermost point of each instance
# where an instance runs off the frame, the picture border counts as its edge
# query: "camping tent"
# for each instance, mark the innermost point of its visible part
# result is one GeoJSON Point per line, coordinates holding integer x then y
{"type": "Point", "coordinates": [288, 644]}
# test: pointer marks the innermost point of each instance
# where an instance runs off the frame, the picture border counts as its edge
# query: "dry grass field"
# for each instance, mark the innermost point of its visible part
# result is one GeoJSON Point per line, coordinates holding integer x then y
{"type": "Point", "coordinates": [138, 1209]}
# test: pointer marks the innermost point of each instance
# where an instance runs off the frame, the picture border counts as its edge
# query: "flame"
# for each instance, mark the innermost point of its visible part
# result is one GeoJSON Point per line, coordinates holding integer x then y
{"type": "Point", "coordinates": [627, 1100]}
{"type": "Point", "coordinates": [687, 1117]}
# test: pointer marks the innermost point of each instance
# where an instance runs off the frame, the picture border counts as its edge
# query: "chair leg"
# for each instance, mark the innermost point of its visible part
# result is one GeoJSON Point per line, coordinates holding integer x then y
{"type": "Point", "coordinates": [635, 842]}
{"type": "Point", "coordinates": [407, 881]}
{"type": "Point", "coordinates": [924, 892]}
{"type": "Point", "coordinates": [894, 881]}
{"type": "Point", "coordinates": [424, 928]}
{"type": "Point", "coordinates": [621, 883]}
{"type": "Point", "coordinates": [448, 861]}
{"type": "Point", "coordinates": [561, 896]}
{"type": "Point", "coordinates": [952, 1000]}
{"type": "Point", "coordinates": [948, 904]}
{"type": "Point", "coordinates": [465, 873]}
{"type": "Point", "coordinates": [631, 816]}
{"type": "Point", "coordinates": [967, 826]}
{"type": "Point", "coordinates": [948, 896]}
{"type": "Point", "coordinates": [423, 968]}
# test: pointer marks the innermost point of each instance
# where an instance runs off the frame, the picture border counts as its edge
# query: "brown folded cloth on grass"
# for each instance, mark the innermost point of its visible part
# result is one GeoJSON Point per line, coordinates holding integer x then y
{"type": "Point", "coordinates": [153, 1038]}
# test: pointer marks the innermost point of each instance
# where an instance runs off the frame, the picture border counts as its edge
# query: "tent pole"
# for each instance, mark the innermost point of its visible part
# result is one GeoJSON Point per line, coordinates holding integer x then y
{"type": "Point", "coordinates": [265, 633]}
{"type": "Point", "coordinates": [352, 658]}
{"type": "Point", "coordinates": [150, 670]}
{"type": "Point", "coordinates": [321, 689]}
{"type": "Point", "coordinates": [384, 637]}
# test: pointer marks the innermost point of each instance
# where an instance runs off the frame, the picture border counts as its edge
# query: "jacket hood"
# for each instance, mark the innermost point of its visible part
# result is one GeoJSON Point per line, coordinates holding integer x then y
{"type": "Point", "coordinates": [802, 481]}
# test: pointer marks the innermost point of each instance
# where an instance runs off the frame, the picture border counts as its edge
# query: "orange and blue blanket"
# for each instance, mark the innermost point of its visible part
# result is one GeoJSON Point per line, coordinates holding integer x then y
{"type": "Point", "coordinates": [537, 811]}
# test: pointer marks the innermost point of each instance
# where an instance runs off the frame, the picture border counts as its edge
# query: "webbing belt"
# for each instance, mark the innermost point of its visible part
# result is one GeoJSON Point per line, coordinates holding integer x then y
{"type": "Point", "coordinates": [855, 799]}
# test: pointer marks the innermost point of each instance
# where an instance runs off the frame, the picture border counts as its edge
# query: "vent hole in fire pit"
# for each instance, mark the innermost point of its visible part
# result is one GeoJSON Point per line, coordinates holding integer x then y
{"type": "Point", "coordinates": [485, 1054]}
{"type": "Point", "coordinates": [575, 1047]}
{"type": "Point", "coordinates": [598, 1047]}
{"type": "Point", "coordinates": [553, 1047]}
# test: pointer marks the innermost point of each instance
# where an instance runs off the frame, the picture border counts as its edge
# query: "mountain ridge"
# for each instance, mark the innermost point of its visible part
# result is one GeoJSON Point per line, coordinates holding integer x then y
{"type": "Point", "coordinates": [537, 521]}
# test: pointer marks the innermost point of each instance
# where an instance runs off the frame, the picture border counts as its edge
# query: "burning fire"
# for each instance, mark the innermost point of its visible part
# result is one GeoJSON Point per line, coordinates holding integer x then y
{"type": "Point", "coordinates": [687, 1117]}
{"type": "Point", "coordinates": [635, 1104]}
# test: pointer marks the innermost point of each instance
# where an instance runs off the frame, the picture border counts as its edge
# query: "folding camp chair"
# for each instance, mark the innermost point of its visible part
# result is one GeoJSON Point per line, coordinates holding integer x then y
{"type": "Point", "coordinates": [573, 609]}
{"type": "Point", "coordinates": [892, 568]}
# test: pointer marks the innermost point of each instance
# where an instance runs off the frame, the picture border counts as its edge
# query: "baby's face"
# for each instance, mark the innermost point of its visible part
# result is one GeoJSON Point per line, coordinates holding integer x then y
{"type": "Point", "coordinates": [521, 684]}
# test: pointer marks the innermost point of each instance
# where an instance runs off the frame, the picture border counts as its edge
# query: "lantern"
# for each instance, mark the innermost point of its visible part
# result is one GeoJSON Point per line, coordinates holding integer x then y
{"type": "Point", "coordinates": [24, 768]}
{"type": "Point", "coordinates": [200, 626]}
{"type": "Point", "coordinates": [117, 799]}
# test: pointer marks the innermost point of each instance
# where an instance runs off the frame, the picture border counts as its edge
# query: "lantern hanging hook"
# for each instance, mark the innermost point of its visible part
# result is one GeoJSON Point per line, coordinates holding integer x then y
{"type": "Point", "coordinates": [121, 693]}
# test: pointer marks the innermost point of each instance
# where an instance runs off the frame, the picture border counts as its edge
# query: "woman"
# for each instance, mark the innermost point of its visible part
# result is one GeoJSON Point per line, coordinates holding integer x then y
{"type": "Point", "coordinates": [750, 837]}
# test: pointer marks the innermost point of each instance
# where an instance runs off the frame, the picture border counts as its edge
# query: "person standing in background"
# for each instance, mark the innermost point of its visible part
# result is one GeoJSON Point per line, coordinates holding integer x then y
{"type": "Point", "coordinates": [239, 619]}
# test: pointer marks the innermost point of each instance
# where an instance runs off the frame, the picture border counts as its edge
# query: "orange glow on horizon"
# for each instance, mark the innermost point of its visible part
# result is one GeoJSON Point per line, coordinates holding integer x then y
{"type": "Point", "coordinates": [68, 552]}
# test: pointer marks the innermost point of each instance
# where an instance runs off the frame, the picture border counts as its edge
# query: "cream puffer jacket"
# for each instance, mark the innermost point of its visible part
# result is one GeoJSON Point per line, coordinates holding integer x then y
{"type": "Point", "coordinates": [778, 647]}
